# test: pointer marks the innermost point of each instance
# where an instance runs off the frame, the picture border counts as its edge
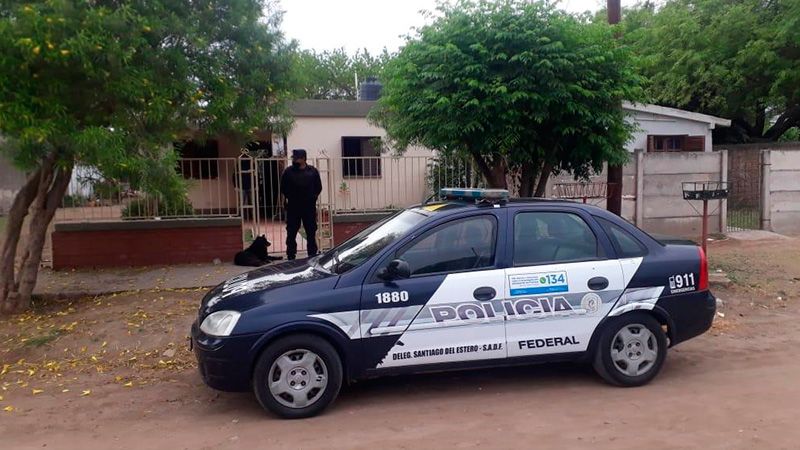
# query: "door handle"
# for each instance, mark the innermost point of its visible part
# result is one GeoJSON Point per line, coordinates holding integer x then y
{"type": "Point", "coordinates": [598, 283]}
{"type": "Point", "coordinates": [484, 293]}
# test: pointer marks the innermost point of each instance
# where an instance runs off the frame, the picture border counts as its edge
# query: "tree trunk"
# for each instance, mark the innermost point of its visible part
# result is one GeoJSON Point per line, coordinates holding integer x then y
{"type": "Point", "coordinates": [495, 175]}
{"type": "Point", "coordinates": [16, 218]}
{"type": "Point", "coordinates": [544, 175]}
{"type": "Point", "coordinates": [527, 180]}
{"type": "Point", "coordinates": [40, 197]}
{"type": "Point", "coordinates": [44, 210]}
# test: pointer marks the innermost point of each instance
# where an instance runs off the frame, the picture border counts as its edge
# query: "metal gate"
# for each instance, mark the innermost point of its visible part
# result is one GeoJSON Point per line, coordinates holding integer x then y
{"type": "Point", "coordinates": [744, 190]}
{"type": "Point", "coordinates": [262, 206]}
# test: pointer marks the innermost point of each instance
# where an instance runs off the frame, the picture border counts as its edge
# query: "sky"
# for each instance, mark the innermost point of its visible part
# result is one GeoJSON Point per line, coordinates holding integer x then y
{"type": "Point", "coordinates": [370, 24]}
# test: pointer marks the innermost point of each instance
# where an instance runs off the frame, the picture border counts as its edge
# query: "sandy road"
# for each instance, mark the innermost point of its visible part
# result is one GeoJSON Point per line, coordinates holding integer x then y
{"type": "Point", "coordinates": [735, 387]}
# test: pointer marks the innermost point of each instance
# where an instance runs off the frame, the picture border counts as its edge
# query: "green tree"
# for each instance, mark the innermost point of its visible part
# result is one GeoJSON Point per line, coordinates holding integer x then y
{"type": "Point", "coordinates": [520, 87]}
{"type": "Point", "coordinates": [111, 85]}
{"type": "Point", "coordinates": [331, 75]}
{"type": "Point", "coordinates": [735, 59]}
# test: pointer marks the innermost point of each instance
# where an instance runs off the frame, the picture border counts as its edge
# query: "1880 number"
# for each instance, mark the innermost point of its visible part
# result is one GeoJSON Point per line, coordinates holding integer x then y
{"type": "Point", "coordinates": [392, 297]}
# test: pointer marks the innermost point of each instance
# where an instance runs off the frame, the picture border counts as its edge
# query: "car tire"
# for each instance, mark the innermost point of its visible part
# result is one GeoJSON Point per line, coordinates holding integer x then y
{"type": "Point", "coordinates": [631, 350]}
{"type": "Point", "coordinates": [297, 376]}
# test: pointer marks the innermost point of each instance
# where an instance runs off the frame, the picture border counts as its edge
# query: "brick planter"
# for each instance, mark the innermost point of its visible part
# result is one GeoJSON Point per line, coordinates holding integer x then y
{"type": "Point", "coordinates": [145, 243]}
{"type": "Point", "coordinates": [346, 226]}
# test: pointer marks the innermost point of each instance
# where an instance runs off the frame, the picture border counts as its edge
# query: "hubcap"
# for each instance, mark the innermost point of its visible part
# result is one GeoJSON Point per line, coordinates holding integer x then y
{"type": "Point", "coordinates": [634, 350]}
{"type": "Point", "coordinates": [297, 378]}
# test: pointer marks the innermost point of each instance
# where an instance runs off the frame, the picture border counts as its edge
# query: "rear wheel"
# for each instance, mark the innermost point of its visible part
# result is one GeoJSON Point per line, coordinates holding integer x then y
{"type": "Point", "coordinates": [297, 376]}
{"type": "Point", "coordinates": [631, 350]}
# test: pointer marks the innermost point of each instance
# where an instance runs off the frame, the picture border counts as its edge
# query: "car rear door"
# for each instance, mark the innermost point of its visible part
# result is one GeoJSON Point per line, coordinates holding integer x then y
{"type": "Point", "coordinates": [443, 312]}
{"type": "Point", "coordinates": [561, 282]}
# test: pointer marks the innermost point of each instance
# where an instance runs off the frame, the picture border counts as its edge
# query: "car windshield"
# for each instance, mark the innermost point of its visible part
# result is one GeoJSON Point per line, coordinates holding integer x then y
{"type": "Point", "coordinates": [364, 245]}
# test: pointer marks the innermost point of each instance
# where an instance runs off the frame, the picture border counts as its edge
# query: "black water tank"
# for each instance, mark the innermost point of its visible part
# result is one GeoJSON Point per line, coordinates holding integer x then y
{"type": "Point", "coordinates": [370, 89]}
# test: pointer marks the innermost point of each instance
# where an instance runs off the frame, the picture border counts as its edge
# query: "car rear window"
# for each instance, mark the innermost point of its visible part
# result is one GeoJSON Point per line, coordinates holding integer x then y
{"type": "Point", "coordinates": [626, 244]}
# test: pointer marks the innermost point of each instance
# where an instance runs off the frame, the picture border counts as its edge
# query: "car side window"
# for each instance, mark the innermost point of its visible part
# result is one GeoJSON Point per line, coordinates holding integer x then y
{"type": "Point", "coordinates": [465, 244]}
{"type": "Point", "coordinates": [553, 237]}
{"type": "Point", "coordinates": [626, 245]}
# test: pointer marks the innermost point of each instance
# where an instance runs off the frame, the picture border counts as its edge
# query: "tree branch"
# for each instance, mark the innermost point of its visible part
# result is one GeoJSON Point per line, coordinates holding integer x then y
{"type": "Point", "coordinates": [789, 118]}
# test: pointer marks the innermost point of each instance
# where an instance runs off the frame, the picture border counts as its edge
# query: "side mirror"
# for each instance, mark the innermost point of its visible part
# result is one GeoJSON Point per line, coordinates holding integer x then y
{"type": "Point", "coordinates": [396, 269]}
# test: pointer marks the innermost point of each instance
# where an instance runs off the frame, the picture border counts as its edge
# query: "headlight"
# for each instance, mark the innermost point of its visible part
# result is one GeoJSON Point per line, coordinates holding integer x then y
{"type": "Point", "coordinates": [220, 323]}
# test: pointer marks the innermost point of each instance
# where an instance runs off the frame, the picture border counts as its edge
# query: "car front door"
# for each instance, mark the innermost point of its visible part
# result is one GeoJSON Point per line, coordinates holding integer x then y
{"type": "Point", "coordinates": [440, 307]}
{"type": "Point", "coordinates": [560, 285]}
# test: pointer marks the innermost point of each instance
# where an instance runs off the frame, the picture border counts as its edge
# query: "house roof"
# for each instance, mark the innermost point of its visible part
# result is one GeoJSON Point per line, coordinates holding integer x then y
{"type": "Point", "coordinates": [351, 108]}
{"type": "Point", "coordinates": [677, 113]}
{"type": "Point", "coordinates": [330, 108]}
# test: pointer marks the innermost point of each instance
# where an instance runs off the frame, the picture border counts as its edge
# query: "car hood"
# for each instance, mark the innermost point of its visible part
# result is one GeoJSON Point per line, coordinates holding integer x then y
{"type": "Point", "coordinates": [260, 280]}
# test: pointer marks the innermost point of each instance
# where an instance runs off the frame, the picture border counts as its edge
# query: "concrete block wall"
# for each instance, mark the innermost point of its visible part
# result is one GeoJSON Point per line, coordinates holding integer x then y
{"type": "Point", "coordinates": [660, 207]}
{"type": "Point", "coordinates": [782, 206]}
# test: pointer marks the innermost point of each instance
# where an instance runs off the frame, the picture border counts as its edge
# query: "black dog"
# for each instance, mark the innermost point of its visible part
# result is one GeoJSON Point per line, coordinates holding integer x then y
{"type": "Point", "coordinates": [255, 255]}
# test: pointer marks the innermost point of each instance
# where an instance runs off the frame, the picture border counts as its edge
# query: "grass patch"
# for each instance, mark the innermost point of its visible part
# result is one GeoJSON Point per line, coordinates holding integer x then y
{"type": "Point", "coordinates": [39, 341]}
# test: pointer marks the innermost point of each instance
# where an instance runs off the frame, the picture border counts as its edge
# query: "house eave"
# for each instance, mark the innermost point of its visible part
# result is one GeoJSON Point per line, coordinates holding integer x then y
{"type": "Point", "coordinates": [712, 121]}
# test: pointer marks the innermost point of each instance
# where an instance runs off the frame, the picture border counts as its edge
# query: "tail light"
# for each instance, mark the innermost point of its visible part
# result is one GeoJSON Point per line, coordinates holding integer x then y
{"type": "Point", "coordinates": [703, 286]}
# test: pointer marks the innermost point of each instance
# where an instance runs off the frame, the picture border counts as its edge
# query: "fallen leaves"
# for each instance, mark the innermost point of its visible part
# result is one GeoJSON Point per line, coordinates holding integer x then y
{"type": "Point", "coordinates": [83, 346]}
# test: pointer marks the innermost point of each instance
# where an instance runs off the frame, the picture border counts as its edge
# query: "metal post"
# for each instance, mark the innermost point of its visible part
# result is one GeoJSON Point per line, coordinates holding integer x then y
{"type": "Point", "coordinates": [766, 169]}
{"type": "Point", "coordinates": [639, 208]}
{"type": "Point", "coordinates": [614, 174]}
{"type": "Point", "coordinates": [705, 224]}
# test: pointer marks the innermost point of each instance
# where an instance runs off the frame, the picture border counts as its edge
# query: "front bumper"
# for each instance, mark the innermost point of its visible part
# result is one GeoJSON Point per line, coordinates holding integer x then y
{"type": "Point", "coordinates": [225, 363]}
{"type": "Point", "coordinates": [691, 314]}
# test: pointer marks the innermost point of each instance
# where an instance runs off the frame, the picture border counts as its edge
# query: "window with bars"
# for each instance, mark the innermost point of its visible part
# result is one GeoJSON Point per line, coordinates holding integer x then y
{"type": "Point", "coordinates": [199, 159]}
{"type": "Point", "coordinates": [361, 156]}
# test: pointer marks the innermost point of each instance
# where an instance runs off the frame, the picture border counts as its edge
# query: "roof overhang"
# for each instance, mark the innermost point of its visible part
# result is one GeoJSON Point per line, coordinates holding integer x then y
{"type": "Point", "coordinates": [712, 121]}
{"type": "Point", "coordinates": [330, 108]}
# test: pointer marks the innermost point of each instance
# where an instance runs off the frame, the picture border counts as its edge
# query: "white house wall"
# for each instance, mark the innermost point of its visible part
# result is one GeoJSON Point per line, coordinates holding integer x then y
{"type": "Point", "coordinates": [402, 181]}
{"type": "Point", "coordinates": [657, 124]}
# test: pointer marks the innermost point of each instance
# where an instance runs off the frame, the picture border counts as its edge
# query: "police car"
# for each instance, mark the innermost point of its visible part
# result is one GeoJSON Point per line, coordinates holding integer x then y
{"type": "Point", "coordinates": [475, 280]}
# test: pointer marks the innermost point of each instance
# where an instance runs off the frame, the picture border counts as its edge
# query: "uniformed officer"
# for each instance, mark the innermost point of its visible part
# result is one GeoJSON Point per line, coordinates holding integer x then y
{"type": "Point", "coordinates": [301, 185]}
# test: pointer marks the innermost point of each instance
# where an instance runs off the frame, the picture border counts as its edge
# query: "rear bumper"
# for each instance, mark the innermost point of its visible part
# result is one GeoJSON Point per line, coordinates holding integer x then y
{"type": "Point", "coordinates": [224, 363]}
{"type": "Point", "coordinates": [691, 314]}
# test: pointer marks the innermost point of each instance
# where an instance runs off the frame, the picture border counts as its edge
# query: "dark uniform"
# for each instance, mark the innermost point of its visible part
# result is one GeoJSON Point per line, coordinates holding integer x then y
{"type": "Point", "coordinates": [301, 187]}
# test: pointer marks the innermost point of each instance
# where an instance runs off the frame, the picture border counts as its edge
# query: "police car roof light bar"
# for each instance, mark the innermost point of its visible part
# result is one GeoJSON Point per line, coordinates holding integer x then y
{"type": "Point", "coordinates": [491, 195]}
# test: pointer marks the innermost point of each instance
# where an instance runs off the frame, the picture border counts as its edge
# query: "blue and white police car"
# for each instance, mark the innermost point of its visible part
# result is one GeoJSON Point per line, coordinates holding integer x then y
{"type": "Point", "coordinates": [474, 280]}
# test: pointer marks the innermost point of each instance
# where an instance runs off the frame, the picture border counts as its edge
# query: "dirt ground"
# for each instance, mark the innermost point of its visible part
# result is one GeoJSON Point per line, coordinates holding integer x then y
{"type": "Point", "coordinates": [114, 372]}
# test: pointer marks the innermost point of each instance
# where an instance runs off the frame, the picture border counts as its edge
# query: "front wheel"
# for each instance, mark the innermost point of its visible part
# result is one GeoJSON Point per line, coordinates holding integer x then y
{"type": "Point", "coordinates": [297, 376]}
{"type": "Point", "coordinates": [631, 350]}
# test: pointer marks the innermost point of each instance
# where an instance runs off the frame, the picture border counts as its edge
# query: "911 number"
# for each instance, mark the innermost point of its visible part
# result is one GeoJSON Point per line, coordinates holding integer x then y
{"type": "Point", "coordinates": [392, 297]}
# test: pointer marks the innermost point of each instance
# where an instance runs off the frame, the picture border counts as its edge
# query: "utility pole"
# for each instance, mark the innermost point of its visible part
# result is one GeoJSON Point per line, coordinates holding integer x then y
{"type": "Point", "coordinates": [614, 173]}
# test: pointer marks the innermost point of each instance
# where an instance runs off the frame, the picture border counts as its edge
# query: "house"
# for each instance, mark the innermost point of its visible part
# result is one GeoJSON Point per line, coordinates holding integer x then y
{"type": "Point", "coordinates": [662, 129]}
{"type": "Point", "coordinates": [345, 147]}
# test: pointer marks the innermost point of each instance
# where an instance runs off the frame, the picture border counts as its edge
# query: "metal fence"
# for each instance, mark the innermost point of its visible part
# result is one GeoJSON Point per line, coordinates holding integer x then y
{"type": "Point", "coordinates": [386, 183]}
{"type": "Point", "coordinates": [211, 193]}
{"type": "Point", "coordinates": [744, 190]}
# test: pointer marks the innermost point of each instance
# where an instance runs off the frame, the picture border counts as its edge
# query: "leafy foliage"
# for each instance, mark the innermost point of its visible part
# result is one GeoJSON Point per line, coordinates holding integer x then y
{"type": "Point", "coordinates": [111, 84]}
{"type": "Point", "coordinates": [739, 60]}
{"type": "Point", "coordinates": [515, 85]}
{"type": "Point", "coordinates": [330, 75]}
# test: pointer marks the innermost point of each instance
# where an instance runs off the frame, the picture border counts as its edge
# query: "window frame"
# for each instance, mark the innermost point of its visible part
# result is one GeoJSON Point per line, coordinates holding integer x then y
{"type": "Point", "coordinates": [653, 138]}
{"type": "Point", "coordinates": [393, 254]}
{"type": "Point", "coordinates": [360, 163]}
{"type": "Point", "coordinates": [603, 244]}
